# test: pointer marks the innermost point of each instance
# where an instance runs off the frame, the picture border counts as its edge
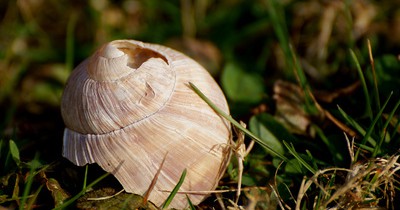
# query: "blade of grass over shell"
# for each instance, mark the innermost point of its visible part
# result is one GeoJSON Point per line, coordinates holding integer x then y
{"type": "Point", "coordinates": [293, 151]}
{"type": "Point", "coordinates": [236, 124]}
{"type": "Point", "coordinates": [191, 206]}
{"type": "Point", "coordinates": [385, 126]}
{"type": "Point", "coordinates": [363, 84]}
{"type": "Point", "coordinates": [175, 190]}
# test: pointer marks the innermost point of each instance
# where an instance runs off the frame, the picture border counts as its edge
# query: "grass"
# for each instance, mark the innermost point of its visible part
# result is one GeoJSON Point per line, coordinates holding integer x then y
{"type": "Point", "coordinates": [316, 83]}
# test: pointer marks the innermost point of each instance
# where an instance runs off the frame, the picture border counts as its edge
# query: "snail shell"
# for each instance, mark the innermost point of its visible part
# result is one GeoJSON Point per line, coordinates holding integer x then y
{"type": "Point", "coordinates": [129, 106]}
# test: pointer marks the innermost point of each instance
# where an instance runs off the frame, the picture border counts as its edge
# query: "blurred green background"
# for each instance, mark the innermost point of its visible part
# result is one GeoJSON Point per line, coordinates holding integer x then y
{"type": "Point", "coordinates": [238, 41]}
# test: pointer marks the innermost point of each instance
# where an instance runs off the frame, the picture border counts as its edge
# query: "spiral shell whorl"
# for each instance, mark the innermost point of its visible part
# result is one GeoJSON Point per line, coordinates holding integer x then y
{"type": "Point", "coordinates": [110, 51]}
{"type": "Point", "coordinates": [103, 91]}
{"type": "Point", "coordinates": [108, 56]}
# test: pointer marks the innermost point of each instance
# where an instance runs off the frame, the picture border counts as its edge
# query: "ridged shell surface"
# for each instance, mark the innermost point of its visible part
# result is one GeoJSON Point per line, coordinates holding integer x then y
{"type": "Point", "coordinates": [129, 106]}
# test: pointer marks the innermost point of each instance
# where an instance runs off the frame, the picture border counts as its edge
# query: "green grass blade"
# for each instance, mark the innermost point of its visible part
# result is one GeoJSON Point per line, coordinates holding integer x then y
{"type": "Point", "coordinates": [191, 206]}
{"type": "Point", "coordinates": [85, 178]}
{"type": "Point", "coordinates": [294, 68]}
{"type": "Point", "coordinates": [372, 126]}
{"type": "Point", "coordinates": [125, 204]}
{"type": "Point", "coordinates": [29, 182]}
{"type": "Point", "coordinates": [279, 25]}
{"type": "Point", "coordinates": [310, 106]}
{"type": "Point", "coordinates": [33, 199]}
{"type": "Point", "coordinates": [355, 125]}
{"type": "Point", "coordinates": [236, 124]}
{"type": "Point", "coordinates": [15, 152]}
{"type": "Point", "coordinates": [73, 199]}
{"type": "Point", "coordinates": [385, 126]}
{"type": "Point", "coordinates": [365, 147]}
{"type": "Point", "coordinates": [175, 190]}
{"type": "Point", "coordinates": [319, 198]}
{"type": "Point", "coordinates": [332, 149]}
{"type": "Point", "coordinates": [364, 85]}
{"type": "Point", "coordinates": [314, 163]}
{"type": "Point", "coordinates": [293, 151]}
{"type": "Point", "coordinates": [396, 128]}
{"type": "Point", "coordinates": [375, 80]}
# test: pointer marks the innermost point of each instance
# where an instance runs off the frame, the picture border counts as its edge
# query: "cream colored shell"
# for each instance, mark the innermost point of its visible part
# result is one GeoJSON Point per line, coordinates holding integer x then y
{"type": "Point", "coordinates": [129, 105]}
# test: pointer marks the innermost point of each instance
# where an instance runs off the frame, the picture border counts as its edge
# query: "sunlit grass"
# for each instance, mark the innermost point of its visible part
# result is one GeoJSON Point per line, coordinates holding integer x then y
{"type": "Point", "coordinates": [259, 42]}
